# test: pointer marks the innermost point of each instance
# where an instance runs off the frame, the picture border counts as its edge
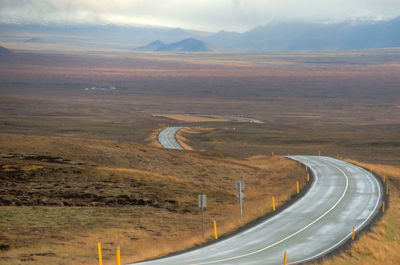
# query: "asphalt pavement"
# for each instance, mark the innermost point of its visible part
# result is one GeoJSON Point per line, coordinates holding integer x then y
{"type": "Point", "coordinates": [167, 138]}
{"type": "Point", "coordinates": [342, 196]}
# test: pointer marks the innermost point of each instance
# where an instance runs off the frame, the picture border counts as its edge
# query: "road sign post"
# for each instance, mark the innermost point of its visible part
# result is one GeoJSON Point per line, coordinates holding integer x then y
{"type": "Point", "coordinates": [240, 185]}
{"type": "Point", "coordinates": [202, 205]}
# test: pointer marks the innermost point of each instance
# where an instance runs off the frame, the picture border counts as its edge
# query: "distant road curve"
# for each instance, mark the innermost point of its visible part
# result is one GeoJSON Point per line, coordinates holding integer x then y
{"type": "Point", "coordinates": [341, 197]}
{"type": "Point", "coordinates": [167, 138]}
{"type": "Point", "coordinates": [226, 117]}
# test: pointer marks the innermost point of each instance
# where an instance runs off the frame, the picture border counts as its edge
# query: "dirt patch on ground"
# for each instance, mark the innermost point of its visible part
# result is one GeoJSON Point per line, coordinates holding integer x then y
{"type": "Point", "coordinates": [51, 185]}
{"type": "Point", "coordinates": [42, 158]}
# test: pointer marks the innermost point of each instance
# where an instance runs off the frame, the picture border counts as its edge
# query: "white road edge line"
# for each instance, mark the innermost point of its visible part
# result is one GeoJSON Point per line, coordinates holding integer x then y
{"type": "Point", "coordinates": [286, 238]}
{"type": "Point", "coordinates": [348, 235]}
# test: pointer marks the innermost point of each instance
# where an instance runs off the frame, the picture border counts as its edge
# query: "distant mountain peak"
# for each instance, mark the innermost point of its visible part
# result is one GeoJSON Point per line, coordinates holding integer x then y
{"type": "Point", "coordinates": [152, 46]}
{"type": "Point", "coordinates": [157, 42]}
{"type": "Point", "coordinates": [190, 39]}
{"type": "Point", "coordinates": [186, 45]}
{"type": "Point", "coordinates": [5, 50]}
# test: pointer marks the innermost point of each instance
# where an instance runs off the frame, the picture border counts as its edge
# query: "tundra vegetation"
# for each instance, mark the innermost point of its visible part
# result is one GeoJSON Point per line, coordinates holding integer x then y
{"type": "Point", "coordinates": [81, 165]}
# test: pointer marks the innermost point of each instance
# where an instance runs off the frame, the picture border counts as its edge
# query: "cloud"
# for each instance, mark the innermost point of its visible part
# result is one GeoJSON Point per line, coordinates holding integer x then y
{"type": "Point", "coordinates": [210, 15]}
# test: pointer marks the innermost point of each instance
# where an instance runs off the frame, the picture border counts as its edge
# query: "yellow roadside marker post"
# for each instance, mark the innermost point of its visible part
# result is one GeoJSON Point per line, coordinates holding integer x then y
{"type": "Point", "coordinates": [370, 169]}
{"type": "Point", "coordinates": [298, 190]}
{"type": "Point", "coordinates": [387, 188]}
{"type": "Point", "coordinates": [383, 207]}
{"type": "Point", "coordinates": [215, 230]}
{"type": "Point", "coordinates": [273, 203]}
{"type": "Point", "coordinates": [272, 154]}
{"type": "Point", "coordinates": [306, 168]}
{"type": "Point", "coordinates": [284, 258]}
{"type": "Point", "coordinates": [308, 177]}
{"type": "Point", "coordinates": [384, 178]}
{"type": "Point", "coordinates": [352, 236]}
{"type": "Point", "coordinates": [118, 256]}
{"type": "Point", "coordinates": [319, 153]}
{"type": "Point", "coordinates": [100, 256]}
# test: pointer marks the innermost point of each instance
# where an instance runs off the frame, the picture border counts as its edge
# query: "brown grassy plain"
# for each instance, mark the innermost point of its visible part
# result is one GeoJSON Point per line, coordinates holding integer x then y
{"type": "Point", "coordinates": [140, 198]}
{"type": "Point", "coordinates": [345, 104]}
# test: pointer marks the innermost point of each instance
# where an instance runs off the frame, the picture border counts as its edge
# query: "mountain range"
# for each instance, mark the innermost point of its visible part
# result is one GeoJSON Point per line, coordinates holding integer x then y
{"type": "Point", "coordinates": [284, 36]}
{"type": "Point", "coordinates": [311, 36]}
{"type": "Point", "coordinates": [186, 45]}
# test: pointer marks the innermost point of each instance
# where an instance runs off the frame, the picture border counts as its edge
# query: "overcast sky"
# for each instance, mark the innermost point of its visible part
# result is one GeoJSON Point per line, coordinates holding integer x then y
{"type": "Point", "coordinates": [209, 15]}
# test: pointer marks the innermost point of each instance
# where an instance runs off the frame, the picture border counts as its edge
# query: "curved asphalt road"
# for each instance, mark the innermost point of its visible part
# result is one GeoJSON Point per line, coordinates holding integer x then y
{"type": "Point", "coordinates": [167, 138]}
{"type": "Point", "coordinates": [342, 196]}
{"type": "Point", "coordinates": [227, 117]}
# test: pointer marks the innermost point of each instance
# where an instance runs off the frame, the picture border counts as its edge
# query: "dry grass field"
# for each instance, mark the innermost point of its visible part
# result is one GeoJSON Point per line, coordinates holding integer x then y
{"type": "Point", "coordinates": [370, 143]}
{"type": "Point", "coordinates": [80, 162]}
{"type": "Point", "coordinates": [59, 196]}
